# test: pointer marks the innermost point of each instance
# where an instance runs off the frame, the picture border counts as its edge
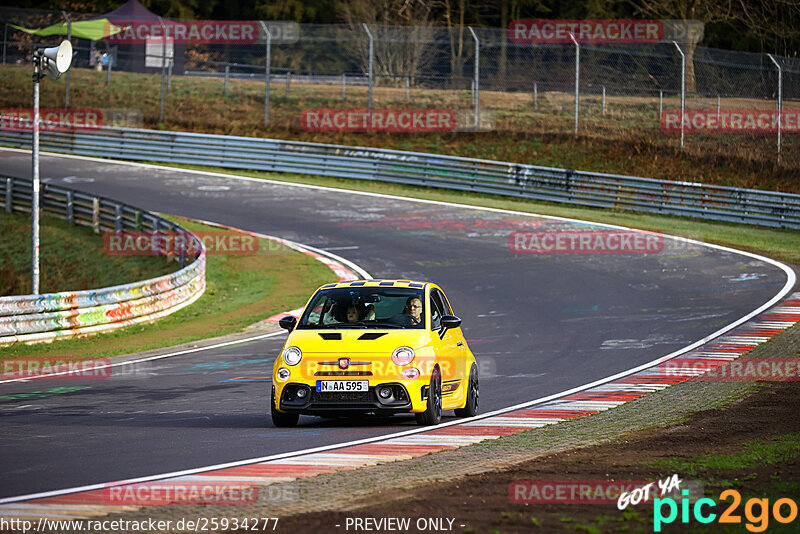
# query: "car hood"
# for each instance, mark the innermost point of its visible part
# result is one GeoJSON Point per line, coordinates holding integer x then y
{"type": "Point", "coordinates": [354, 341]}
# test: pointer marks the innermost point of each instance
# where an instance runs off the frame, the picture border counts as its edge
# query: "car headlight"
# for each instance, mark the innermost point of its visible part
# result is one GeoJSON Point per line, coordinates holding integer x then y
{"type": "Point", "coordinates": [292, 356]}
{"type": "Point", "coordinates": [403, 355]}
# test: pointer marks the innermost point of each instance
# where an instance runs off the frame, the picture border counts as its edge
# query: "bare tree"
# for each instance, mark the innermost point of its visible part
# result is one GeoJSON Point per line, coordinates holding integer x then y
{"type": "Point", "coordinates": [403, 31]}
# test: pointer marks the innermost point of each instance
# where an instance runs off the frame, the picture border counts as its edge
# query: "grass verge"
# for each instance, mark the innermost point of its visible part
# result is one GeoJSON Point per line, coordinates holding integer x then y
{"type": "Point", "coordinates": [240, 290]}
{"type": "Point", "coordinates": [71, 258]}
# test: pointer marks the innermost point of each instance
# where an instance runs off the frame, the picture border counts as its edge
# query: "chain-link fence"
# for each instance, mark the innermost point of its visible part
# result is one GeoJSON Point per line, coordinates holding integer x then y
{"type": "Point", "coordinates": [620, 91]}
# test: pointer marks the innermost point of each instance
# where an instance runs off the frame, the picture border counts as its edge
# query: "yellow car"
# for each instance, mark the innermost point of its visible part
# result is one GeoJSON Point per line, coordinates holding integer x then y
{"type": "Point", "coordinates": [374, 346]}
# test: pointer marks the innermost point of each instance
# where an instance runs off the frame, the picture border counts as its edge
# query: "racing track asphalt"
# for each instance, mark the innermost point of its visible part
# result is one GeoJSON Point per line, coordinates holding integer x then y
{"type": "Point", "coordinates": [539, 324]}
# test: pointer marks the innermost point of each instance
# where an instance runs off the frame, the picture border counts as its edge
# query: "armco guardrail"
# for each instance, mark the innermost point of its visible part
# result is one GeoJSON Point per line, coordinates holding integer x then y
{"type": "Point", "coordinates": [33, 318]}
{"type": "Point", "coordinates": [509, 179]}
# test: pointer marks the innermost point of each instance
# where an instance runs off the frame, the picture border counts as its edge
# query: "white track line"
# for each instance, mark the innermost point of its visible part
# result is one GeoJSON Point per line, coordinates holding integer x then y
{"type": "Point", "coordinates": [790, 282]}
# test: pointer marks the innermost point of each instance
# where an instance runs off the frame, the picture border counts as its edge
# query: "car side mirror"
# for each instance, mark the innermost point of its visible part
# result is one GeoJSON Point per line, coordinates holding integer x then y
{"type": "Point", "coordinates": [451, 321]}
{"type": "Point", "coordinates": [288, 322]}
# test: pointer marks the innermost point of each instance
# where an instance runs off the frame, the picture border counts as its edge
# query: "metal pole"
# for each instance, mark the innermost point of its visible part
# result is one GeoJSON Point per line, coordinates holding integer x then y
{"type": "Point", "coordinates": [37, 62]}
{"type": "Point", "coordinates": [267, 68]}
{"type": "Point", "coordinates": [577, 78]}
{"type": "Point", "coordinates": [344, 86]}
{"type": "Point", "coordinates": [535, 96]}
{"type": "Point", "coordinates": [69, 38]}
{"type": "Point", "coordinates": [660, 102]}
{"type": "Point", "coordinates": [227, 75]}
{"type": "Point", "coordinates": [604, 101]}
{"type": "Point", "coordinates": [5, 43]}
{"type": "Point", "coordinates": [163, 67]}
{"type": "Point", "coordinates": [108, 66]}
{"type": "Point", "coordinates": [288, 81]}
{"type": "Point", "coordinates": [779, 104]}
{"type": "Point", "coordinates": [683, 89]}
{"type": "Point", "coordinates": [477, 74]}
{"type": "Point", "coordinates": [408, 87]}
{"type": "Point", "coordinates": [371, 59]}
{"type": "Point", "coordinates": [718, 105]}
{"type": "Point", "coordinates": [169, 72]}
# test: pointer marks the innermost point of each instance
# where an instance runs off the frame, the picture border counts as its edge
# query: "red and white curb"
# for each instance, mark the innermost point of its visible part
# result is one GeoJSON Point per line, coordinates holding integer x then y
{"type": "Point", "coordinates": [714, 353]}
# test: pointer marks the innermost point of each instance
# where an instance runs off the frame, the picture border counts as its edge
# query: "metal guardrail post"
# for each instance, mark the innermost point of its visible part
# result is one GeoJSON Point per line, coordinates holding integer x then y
{"type": "Point", "coordinates": [227, 75]}
{"type": "Point", "coordinates": [683, 89]}
{"type": "Point", "coordinates": [371, 62]}
{"type": "Point", "coordinates": [779, 103]}
{"type": "Point", "coordinates": [70, 209]}
{"type": "Point", "coordinates": [477, 75]}
{"type": "Point", "coordinates": [96, 214]}
{"type": "Point", "coordinates": [9, 195]}
{"type": "Point", "coordinates": [267, 68]}
{"type": "Point", "coordinates": [118, 218]}
{"type": "Point", "coordinates": [344, 86]}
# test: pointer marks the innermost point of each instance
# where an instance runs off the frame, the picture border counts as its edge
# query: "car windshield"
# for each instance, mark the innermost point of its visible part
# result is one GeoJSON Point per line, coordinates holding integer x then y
{"type": "Point", "coordinates": [365, 307]}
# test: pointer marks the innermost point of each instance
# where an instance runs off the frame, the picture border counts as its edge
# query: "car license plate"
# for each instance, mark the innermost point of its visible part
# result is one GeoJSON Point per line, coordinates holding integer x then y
{"type": "Point", "coordinates": [342, 385]}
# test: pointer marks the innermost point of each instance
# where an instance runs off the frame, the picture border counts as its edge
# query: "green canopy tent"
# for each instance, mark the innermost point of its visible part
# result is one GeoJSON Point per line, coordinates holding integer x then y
{"type": "Point", "coordinates": [94, 30]}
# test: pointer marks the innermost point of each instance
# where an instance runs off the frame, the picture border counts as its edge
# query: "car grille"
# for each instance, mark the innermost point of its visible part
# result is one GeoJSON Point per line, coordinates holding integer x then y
{"type": "Point", "coordinates": [341, 396]}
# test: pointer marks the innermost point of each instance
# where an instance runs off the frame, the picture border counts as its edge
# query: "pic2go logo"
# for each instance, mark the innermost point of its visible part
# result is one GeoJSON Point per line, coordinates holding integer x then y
{"type": "Point", "coordinates": [756, 511]}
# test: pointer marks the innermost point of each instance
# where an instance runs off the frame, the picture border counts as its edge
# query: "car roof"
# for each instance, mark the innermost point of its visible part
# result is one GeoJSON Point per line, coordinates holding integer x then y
{"type": "Point", "coordinates": [377, 283]}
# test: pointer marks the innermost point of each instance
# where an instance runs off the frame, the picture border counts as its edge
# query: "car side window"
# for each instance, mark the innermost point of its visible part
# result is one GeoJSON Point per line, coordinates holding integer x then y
{"type": "Point", "coordinates": [438, 309]}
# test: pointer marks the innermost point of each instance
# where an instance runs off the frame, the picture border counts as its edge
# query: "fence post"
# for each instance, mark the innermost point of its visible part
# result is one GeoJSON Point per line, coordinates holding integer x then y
{"type": "Point", "coordinates": [577, 78]}
{"type": "Point", "coordinates": [477, 74]}
{"type": "Point", "coordinates": [718, 108]}
{"type": "Point", "coordinates": [227, 75]}
{"type": "Point", "coordinates": [779, 104]}
{"type": "Point", "coordinates": [371, 59]}
{"type": "Point", "coordinates": [266, 71]}
{"type": "Point", "coordinates": [660, 103]}
{"type": "Point", "coordinates": [169, 72]}
{"type": "Point", "coordinates": [408, 87]}
{"type": "Point", "coordinates": [163, 67]}
{"type": "Point", "coordinates": [344, 87]}
{"type": "Point", "coordinates": [288, 81]}
{"type": "Point", "coordinates": [604, 101]}
{"type": "Point", "coordinates": [683, 89]}
{"type": "Point", "coordinates": [108, 68]}
{"type": "Point", "coordinates": [9, 195]}
{"type": "Point", "coordinates": [5, 43]}
{"type": "Point", "coordinates": [69, 38]}
{"type": "Point", "coordinates": [535, 96]}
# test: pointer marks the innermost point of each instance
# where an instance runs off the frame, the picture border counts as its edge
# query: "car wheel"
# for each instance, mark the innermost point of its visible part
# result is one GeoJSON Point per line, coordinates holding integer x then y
{"type": "Point", "coordinates": [433, 412]}
{"type": "Point", "coordinates": [473, 390]}
{"type": "Point", "coordinates": [282, 419]}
